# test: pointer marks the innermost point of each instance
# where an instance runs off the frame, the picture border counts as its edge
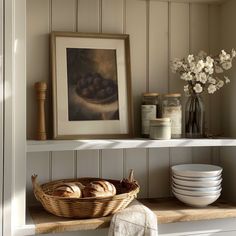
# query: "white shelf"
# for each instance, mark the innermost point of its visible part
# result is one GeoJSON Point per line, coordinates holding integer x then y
{"type": "Point", "coordinates": [63, 145]}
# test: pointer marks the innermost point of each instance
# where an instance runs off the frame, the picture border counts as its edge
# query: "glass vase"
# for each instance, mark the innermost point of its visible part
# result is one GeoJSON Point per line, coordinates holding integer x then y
{"type": "Point", "coordinates": [194, 116]}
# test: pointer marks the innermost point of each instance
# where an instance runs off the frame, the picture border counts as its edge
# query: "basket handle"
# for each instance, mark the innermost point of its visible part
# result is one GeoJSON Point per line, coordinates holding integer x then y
{"type": "Point", "coordinates": [38, 192]}
{"type": "Point", "coordinates": [131, 176]}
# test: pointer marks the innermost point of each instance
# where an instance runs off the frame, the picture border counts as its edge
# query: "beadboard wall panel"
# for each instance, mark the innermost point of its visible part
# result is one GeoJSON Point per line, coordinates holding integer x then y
{"type": "Point", "coordinates": [158, 31]}
{"type": "Point", "coordinates": [65, 20]}
{"type": "Point", "coordinates": [178, 47]}
{"type": "Point", "coordinates": [136, 27]}
{"type": "Point", "coordinates": [136, 159]}
{"type": "Point", "coordinates": [89, 17]}
{"type": "Point", "coordinates": [63, 165]}
{"type": "Point", "coordinates": [112, 164]}
{"type": "Point", "coordinates": [158, 45]}
{"type": "Point", "coordinates": [40, 164]}
{"type": "Point", "coordinates": [158, 173]}
{"type": "Point", "coordinates": [227, 155]}
{"type": "Point", "coordinates": [199, 40]}
{"type": "Point", "coordinates": [88, 163]}
{"type": "Point", "coordinates": [38, 29]}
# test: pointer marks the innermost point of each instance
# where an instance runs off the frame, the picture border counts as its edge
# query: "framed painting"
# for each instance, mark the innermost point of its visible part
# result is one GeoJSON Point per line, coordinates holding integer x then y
{"type": "Point", "coordinates": [91, 86]}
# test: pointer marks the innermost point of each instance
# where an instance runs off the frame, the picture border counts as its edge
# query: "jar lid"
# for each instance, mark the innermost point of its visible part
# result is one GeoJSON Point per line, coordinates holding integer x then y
{"type": "Point", "coordinates": [150, 94]}
{"type": "Point", "coordinates": [172, 95]}
{"type": "Point", "coordinates": [160, 121]}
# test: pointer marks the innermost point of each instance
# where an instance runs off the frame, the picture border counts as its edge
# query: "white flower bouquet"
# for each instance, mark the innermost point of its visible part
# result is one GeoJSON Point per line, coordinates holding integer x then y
{"type": "Point", "coordinates": [203, 72]}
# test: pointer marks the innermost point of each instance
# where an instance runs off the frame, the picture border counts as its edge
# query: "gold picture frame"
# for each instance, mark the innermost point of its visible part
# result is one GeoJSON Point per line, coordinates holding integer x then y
{"type": "Point", "coordinates": [91, 81]}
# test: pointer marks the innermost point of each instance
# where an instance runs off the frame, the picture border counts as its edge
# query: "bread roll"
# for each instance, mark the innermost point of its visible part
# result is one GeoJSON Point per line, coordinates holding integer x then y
{"type": "Point", "coordinates": [68, 190]}
{"type": "Point", "coordinates": [99, 188]}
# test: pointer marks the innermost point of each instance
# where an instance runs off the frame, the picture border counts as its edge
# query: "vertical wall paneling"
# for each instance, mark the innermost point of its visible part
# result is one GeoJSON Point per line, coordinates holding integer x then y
{"type": "Point", "coordinates": [158, 47]}
{"type": "Point", "coordinates": [63, 15]}
{"type": "Point", "coordinates": [37, 163]}
{"type": "Point", "coordinates": [136, 160]}
{"type": "Point", "coordinates": [178, 47]}
{"type": "Point", "coordinates": [38, 26]}
{"type": "Point", "coordinates": [228, 112]}
{"type": "Point", "coordinates": [89, 20]}
{"type": "Point", "coordinates": [112, 22]}
{"type": "Point", "coordinates": [159, 172]}
{"type": "Point", "coordinates": [136, 27]}
{"type": "Point", "coordinates": [88, 163]}
{"type": "Point", "coordinates": [159, 31]}
{"type": "Point", "coordinates": [227, 162]}
{"type": "Point", "coordinates": [215, 100]}
{"type": "Point", "coordinates": [199, 35]}
{"type": "Point", "coordinates": [214, 47]}
{"type": "Point", "coordinates": [180, 156]}
{"type": "Point", "coordinates": [88, 16]}
{"type": "Point", "coordinates": [63, 18]}
{"type": "Point", "coordinates": [112, 164]}
{"type": "Point", "coordinates": [179, 39]}
{"type": "Point", "coordinates": [202, 155]}
{"type": "Point", "coordinates": [63, 163]}
{"type": "Point", "coordinates": [112, 16]}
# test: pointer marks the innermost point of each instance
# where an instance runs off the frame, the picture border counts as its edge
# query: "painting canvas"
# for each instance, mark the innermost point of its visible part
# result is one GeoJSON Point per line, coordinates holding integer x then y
{"type": "Point", "coordinates": [91, 86]}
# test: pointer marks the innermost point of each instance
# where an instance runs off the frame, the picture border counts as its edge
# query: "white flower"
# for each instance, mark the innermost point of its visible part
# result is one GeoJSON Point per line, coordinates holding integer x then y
{"type": "Point", "coordinates": [210, 70]}
{"type": "Point", "coordinates": [187, 76]}
{"type": "Point", "coordinates": [227, 65]}
{"type": "Point", "coordinates": [218, 69]}
{"type": "Point", "coordinates": [176, 64]}
{"type": "Point", "coordinates": [198, 88]}
{"type": "Point", "coordinates": [220, 84]}
{"type": "Point", "coordinates": [186, 89]}
{"type": "Point", "coordinates": [211, 80]}
{"type": "Point", "coordinates": [190, 58]}
{"type": "Point", "coordinates": [201, 77]}
{"type": "Point", "coordinates": [209, 61]}
{"type": "Point", "coordinates": [233, 53]}
{"type": "Point", "coordinates": [211, 88]}
{"type": "Point", "coordinates": [227, 80]}
{"type": "Point", "coordinates": [199, 67]}
{"type": "Point", "coordinates": [224, 56]}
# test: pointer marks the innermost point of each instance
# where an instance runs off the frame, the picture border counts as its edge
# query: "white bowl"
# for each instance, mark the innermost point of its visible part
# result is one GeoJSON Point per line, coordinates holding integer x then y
{"type": "Point", "coordinates": [198, 189]}
{"type": "Point", "coordinates": [196, 193]}
{"type": "Point", "coordinates": [205, 184]}
{"type": "Point", "coordinates": [196, 170]}
{"type": "Point", "coordinates": [201, 201]}
{"type": "Point", "coordinates": [197, 178]}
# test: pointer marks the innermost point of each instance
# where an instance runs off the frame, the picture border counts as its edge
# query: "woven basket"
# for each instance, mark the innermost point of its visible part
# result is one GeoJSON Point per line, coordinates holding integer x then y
{"type": "Point", "coordinates": [89, 207]}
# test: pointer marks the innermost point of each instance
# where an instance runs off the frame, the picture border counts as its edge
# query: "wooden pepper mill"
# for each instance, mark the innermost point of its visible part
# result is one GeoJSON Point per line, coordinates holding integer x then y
{"type": "Point", "coordinates": [41, 88]}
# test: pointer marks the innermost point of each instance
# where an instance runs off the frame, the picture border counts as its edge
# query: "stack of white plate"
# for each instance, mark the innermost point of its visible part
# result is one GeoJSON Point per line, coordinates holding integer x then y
{"type": "Point", "coordinates": [196, 184]}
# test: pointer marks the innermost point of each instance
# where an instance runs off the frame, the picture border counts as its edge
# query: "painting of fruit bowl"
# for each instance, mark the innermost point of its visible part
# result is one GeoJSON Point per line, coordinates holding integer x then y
{"type": "Point", "coordinates": [91, 82]}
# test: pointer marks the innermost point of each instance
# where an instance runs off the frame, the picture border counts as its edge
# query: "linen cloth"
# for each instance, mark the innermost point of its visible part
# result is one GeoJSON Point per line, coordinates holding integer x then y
{"type": "Point", "coordinates": [135, 220]}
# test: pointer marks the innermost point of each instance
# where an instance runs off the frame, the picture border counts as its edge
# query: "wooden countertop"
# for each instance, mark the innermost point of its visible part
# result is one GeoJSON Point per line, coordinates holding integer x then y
{"type": "Point", "coordinates": [168, 210]}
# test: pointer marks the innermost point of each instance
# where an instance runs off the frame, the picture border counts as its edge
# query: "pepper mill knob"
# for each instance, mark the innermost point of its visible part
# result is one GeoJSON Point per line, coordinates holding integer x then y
{"type": "Point", "coordinates": [41, 88]}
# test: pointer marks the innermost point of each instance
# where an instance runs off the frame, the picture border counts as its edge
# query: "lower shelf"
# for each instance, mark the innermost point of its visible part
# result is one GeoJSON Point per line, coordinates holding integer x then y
{"type": "Point", "coordinates": [168, 210]}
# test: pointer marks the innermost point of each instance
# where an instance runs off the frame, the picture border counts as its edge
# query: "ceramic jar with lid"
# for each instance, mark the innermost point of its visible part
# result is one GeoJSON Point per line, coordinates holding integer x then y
{"type": "Point", "coordinates": [160, 128]}
{"type": "Point", "coordinates": [172, 108]}
{"type": "Point", "coordinates": [149, 111]}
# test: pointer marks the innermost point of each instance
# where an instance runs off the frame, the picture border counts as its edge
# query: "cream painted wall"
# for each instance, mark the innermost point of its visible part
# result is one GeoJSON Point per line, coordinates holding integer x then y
{"type": "Point", "coordinates": [158, 32]}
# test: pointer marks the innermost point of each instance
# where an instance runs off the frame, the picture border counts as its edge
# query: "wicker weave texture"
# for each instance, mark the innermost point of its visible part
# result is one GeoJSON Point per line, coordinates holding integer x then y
{"type": "Point", "coordinates": [83, 208]}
